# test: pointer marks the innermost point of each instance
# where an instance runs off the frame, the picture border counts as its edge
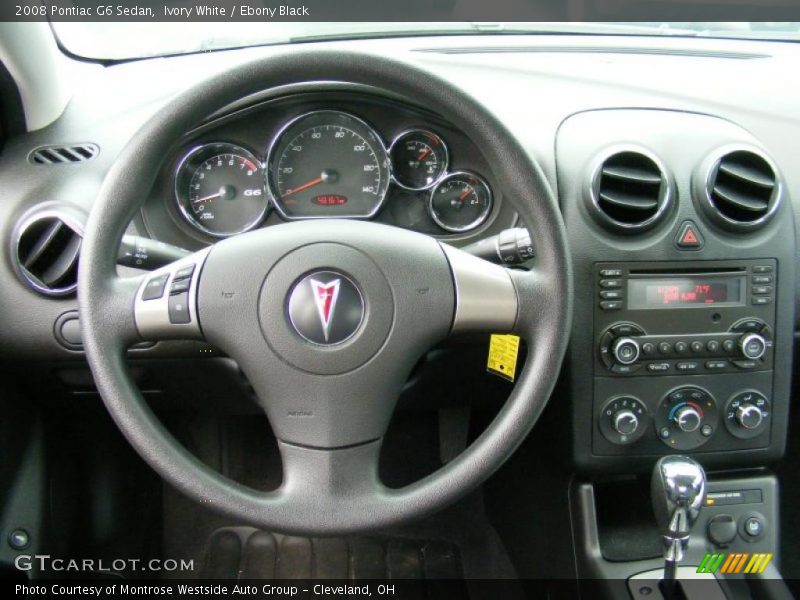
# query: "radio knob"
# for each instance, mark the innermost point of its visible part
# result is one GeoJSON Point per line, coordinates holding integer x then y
{"type": "Point", "coordinates": [749, 416]}
{"type": "Point", "coordinates": [626, 350]}
{"type": "Point", "coordinates": [752, 345]}
{"type": "Point", "coordinates": [688, 419]}
{"type": "Point", "coordinates": [625, 422]}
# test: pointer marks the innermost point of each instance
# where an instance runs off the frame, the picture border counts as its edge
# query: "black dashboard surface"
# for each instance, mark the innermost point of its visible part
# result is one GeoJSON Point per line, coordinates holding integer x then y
{"type": "Point", "coordinates": [568, 100]}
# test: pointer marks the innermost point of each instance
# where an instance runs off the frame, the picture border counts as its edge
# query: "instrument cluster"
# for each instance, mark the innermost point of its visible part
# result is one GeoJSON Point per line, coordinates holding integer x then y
{"type": "Point", "coordinates": [327, 163]}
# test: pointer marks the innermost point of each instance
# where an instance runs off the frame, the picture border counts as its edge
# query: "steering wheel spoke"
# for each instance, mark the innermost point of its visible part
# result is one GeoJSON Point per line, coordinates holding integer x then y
{"type": "Point", "coordinates": [165, 305]}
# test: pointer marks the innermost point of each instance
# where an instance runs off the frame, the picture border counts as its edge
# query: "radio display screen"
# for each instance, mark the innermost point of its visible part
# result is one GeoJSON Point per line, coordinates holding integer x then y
{"type": "Point", "coordinates": [685, 292]}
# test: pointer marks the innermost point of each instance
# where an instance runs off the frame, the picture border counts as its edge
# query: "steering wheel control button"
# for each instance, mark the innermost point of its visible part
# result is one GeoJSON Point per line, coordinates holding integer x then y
{"type": "Point", "coordinates": [154, 288]}
{"type": "Point", "coordinates": [179, 285]}
{"type": "Point", "coordinates": [747, 414]}
{"type": "Point", "coordinates": [326, 308]}
{"type": "Point", "coordinates": [179, 309]}
{"type": "Point", "coordinates": [722, 529]}
{"type": "Point", "coordinates": [184, 273]}
{"type": "Point", "coordinates": [623, 420]}
{"type": "Point", "coordinates": [689, 237]}
{"type": "Point", "coordinates": [686, 418]}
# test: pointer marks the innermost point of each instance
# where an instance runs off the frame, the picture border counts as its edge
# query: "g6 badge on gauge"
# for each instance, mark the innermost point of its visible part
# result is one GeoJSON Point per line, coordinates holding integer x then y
{"type": "Point", "coordinates": [328, 164]}
{"type": "Point", "coordinates": [220, 190]}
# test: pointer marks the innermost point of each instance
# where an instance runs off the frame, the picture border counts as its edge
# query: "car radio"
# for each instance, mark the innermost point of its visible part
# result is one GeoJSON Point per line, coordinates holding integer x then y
{"type": "Point", "coordinates": [678, 318]}
{"type": "Point", "coordinates": [684, 351]}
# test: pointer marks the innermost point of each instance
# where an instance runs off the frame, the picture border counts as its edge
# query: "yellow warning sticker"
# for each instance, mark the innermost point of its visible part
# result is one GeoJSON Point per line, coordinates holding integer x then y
{"type": "Point", "coordinates": [503, 351]}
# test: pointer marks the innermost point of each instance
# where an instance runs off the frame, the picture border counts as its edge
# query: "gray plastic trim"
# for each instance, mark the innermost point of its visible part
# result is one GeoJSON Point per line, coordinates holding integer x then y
{"type": "Point", "coordinates": [486, 299]}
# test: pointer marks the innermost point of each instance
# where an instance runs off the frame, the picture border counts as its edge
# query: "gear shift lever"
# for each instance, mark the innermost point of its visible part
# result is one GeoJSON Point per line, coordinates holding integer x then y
{"type": "Point", "coordinates": [678, 489]}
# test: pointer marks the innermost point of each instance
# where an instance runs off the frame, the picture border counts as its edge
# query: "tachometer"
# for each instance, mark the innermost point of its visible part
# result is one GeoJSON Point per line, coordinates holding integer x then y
{"type": "Point", "coordinates": [220, 189]}
{"type": "Point", "coordinates": [328, 164]}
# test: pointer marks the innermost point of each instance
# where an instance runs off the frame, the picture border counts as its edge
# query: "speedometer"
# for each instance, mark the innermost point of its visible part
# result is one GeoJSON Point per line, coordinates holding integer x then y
{"type": "Point", "coordinates": [328, 164]}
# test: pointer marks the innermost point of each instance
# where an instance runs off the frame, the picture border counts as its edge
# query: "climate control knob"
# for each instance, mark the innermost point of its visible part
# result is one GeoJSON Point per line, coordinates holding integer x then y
{"type": "Point", "coordinates": [688, 419]}
{"type": "Point", "coordinates": [749, 416]}
{"type": "Point", "coordinates": [752, 345]}
{"type": "Point", "coordinates": [626, 351]}
{"type": "Point", "coordinates": [625, 422]}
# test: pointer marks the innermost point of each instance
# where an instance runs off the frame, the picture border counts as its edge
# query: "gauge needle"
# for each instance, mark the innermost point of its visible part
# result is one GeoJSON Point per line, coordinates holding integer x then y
{"type": "Point", "coordinates": [305, 186]}
{"type": "Point", "coordinates": [207, 198]}
{"type": "Point", "coordinates": [424, 153]}
{"type": "Point", "coordinates": [464, 195]}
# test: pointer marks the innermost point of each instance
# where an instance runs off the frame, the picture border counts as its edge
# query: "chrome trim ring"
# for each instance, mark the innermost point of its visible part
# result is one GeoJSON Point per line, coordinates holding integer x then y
{"type": "Point", "coordinates": [665, 198]}
{"type": "Point", "coordinates": [273, 197]}
{"type": "Point", "coordinates": [446, 164]}
{"type": "Point", "coordinates": [474, 224]}
{"type": "Point", "coordinates": [712, 164]}
{"type": "Point", "coordinates": [188, 217]}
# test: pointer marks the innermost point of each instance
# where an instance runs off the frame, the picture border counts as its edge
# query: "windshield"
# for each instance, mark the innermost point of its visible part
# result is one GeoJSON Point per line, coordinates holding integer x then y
{"type": "Point", "coordinates": [120, 41]}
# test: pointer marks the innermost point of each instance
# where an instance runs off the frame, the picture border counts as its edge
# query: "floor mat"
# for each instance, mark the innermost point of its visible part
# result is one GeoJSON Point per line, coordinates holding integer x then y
{"type": "Point", "coordinates": [241, 553]}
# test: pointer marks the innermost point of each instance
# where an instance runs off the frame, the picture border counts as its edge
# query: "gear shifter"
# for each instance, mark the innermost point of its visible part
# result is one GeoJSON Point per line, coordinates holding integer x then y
{"type": "Point", "coordinates": [678, 489]}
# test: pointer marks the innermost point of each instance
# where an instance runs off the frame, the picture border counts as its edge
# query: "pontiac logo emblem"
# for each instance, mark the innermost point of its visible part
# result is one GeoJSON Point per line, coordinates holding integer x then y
{"type": "Point", "coordinates": [325, 308]}
{"type": "Point", "coordinates": [325, 295]}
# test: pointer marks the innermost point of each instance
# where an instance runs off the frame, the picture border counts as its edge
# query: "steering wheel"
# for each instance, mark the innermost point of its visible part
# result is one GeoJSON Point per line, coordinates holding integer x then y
{"type": "Point", "coordinates": [325, 318]}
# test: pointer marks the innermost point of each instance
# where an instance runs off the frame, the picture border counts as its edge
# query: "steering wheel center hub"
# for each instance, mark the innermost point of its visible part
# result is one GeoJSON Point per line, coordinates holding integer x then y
{"type": "Point", "coordinates": [325, 308]}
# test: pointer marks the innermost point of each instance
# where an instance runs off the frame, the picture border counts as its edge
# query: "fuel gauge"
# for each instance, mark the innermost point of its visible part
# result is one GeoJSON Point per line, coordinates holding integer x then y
{"type": "Point", "coordinates": [460, 202]}
{"type": "Point", "coordinates": [419, 159]}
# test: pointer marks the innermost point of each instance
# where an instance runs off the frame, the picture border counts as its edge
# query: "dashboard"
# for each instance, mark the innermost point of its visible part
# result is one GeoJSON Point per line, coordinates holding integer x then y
{"type": "Point", "coordinates": [316, 155]}
{"type": "Point", "coordinates": [677, 182]}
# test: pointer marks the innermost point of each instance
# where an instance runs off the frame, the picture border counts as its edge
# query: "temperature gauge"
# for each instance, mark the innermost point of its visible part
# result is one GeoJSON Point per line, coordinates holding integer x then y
{"type": "Point", "coordinates": [460, 202]}
{"type": "Point", "coordinates": [419, 159]}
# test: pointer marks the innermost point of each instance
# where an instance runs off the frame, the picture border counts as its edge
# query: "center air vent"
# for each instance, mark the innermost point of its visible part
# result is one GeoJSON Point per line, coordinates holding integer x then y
{"type": "Point", "coordinates": [630, 191]}
{"type": "Point", "coordinates": [742, 189]}
{"type": "Point", "coordinates": [72, 153]}
{"type": "Point", "coordinates": [47, 246]}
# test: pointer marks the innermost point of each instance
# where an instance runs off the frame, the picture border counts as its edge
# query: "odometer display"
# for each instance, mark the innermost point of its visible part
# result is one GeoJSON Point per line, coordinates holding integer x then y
{"type": "Point", "coordinates": [328, 164]}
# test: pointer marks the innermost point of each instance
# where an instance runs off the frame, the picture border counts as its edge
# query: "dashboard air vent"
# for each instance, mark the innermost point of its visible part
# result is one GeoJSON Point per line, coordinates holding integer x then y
{"type": "Point", "coordinates": [630, 191]}
{"type": "Point", "coordinates": [47, 250]}
{"type": "Point", "coordinates": [742, 188]}
{"type": "Point", "coordinates": [73, 153]}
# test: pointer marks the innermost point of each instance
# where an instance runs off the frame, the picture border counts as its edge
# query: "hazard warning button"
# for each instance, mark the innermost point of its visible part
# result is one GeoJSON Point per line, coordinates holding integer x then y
{"type": "Point", "coordinates": [689, 237]}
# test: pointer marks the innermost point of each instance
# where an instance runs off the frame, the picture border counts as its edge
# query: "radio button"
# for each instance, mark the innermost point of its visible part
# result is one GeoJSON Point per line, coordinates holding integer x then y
{"type": "Point", "coordinates": [729, 346]}
{"type": "Point", "coordinates": [747, 325]}
{"type": "Point", "coordinates": [624, 329]}
{"type": "Point", "coordinates": [610, 283]}
{"type": "Point", "coordinates": [611, 295]}
{"type": "Point", "coordinates": [752, 346]}
{"type": "Point", "coordinates": [745, 364]}
{"type": "Point", "coordinates": [626, 350]}
{"type": "Point", "coordinates": [762, 279]}
{"type": "Point", "coordinates": [716, 365]}
{"type": "Point", "coordinates": [681, 347]}
{"type": "Point", "coordinates": [712, 346]}
{"type": "Point", "coordinates": [665, 348]}
{"type": "Point", "coordinates": [687, 366]}
{"type": "Point", "coordinates": [625, 369]}
{"type": "Point", "coordinates": [611, 304]}
{"type": "Point", "coordinates": [762, 269]}
{"type": "Point", "coordinates": [696, 346]}
{"type": "Point", "coordinates": [659, 367]}
{"type": "Point", "coordinates": [761, 290]}
{"type": "Point", "coordinates": [648, 348]}
{"type": "Point", "coordinates": [610, 272]}
{"type": "Point", "coordinates": [762, 300]}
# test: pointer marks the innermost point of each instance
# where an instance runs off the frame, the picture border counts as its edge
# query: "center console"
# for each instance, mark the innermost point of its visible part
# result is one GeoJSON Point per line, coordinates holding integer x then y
{"type": "Point", "coordinates": [683, 356]}
{"type": "Point", "coordinates": [683, 246]}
